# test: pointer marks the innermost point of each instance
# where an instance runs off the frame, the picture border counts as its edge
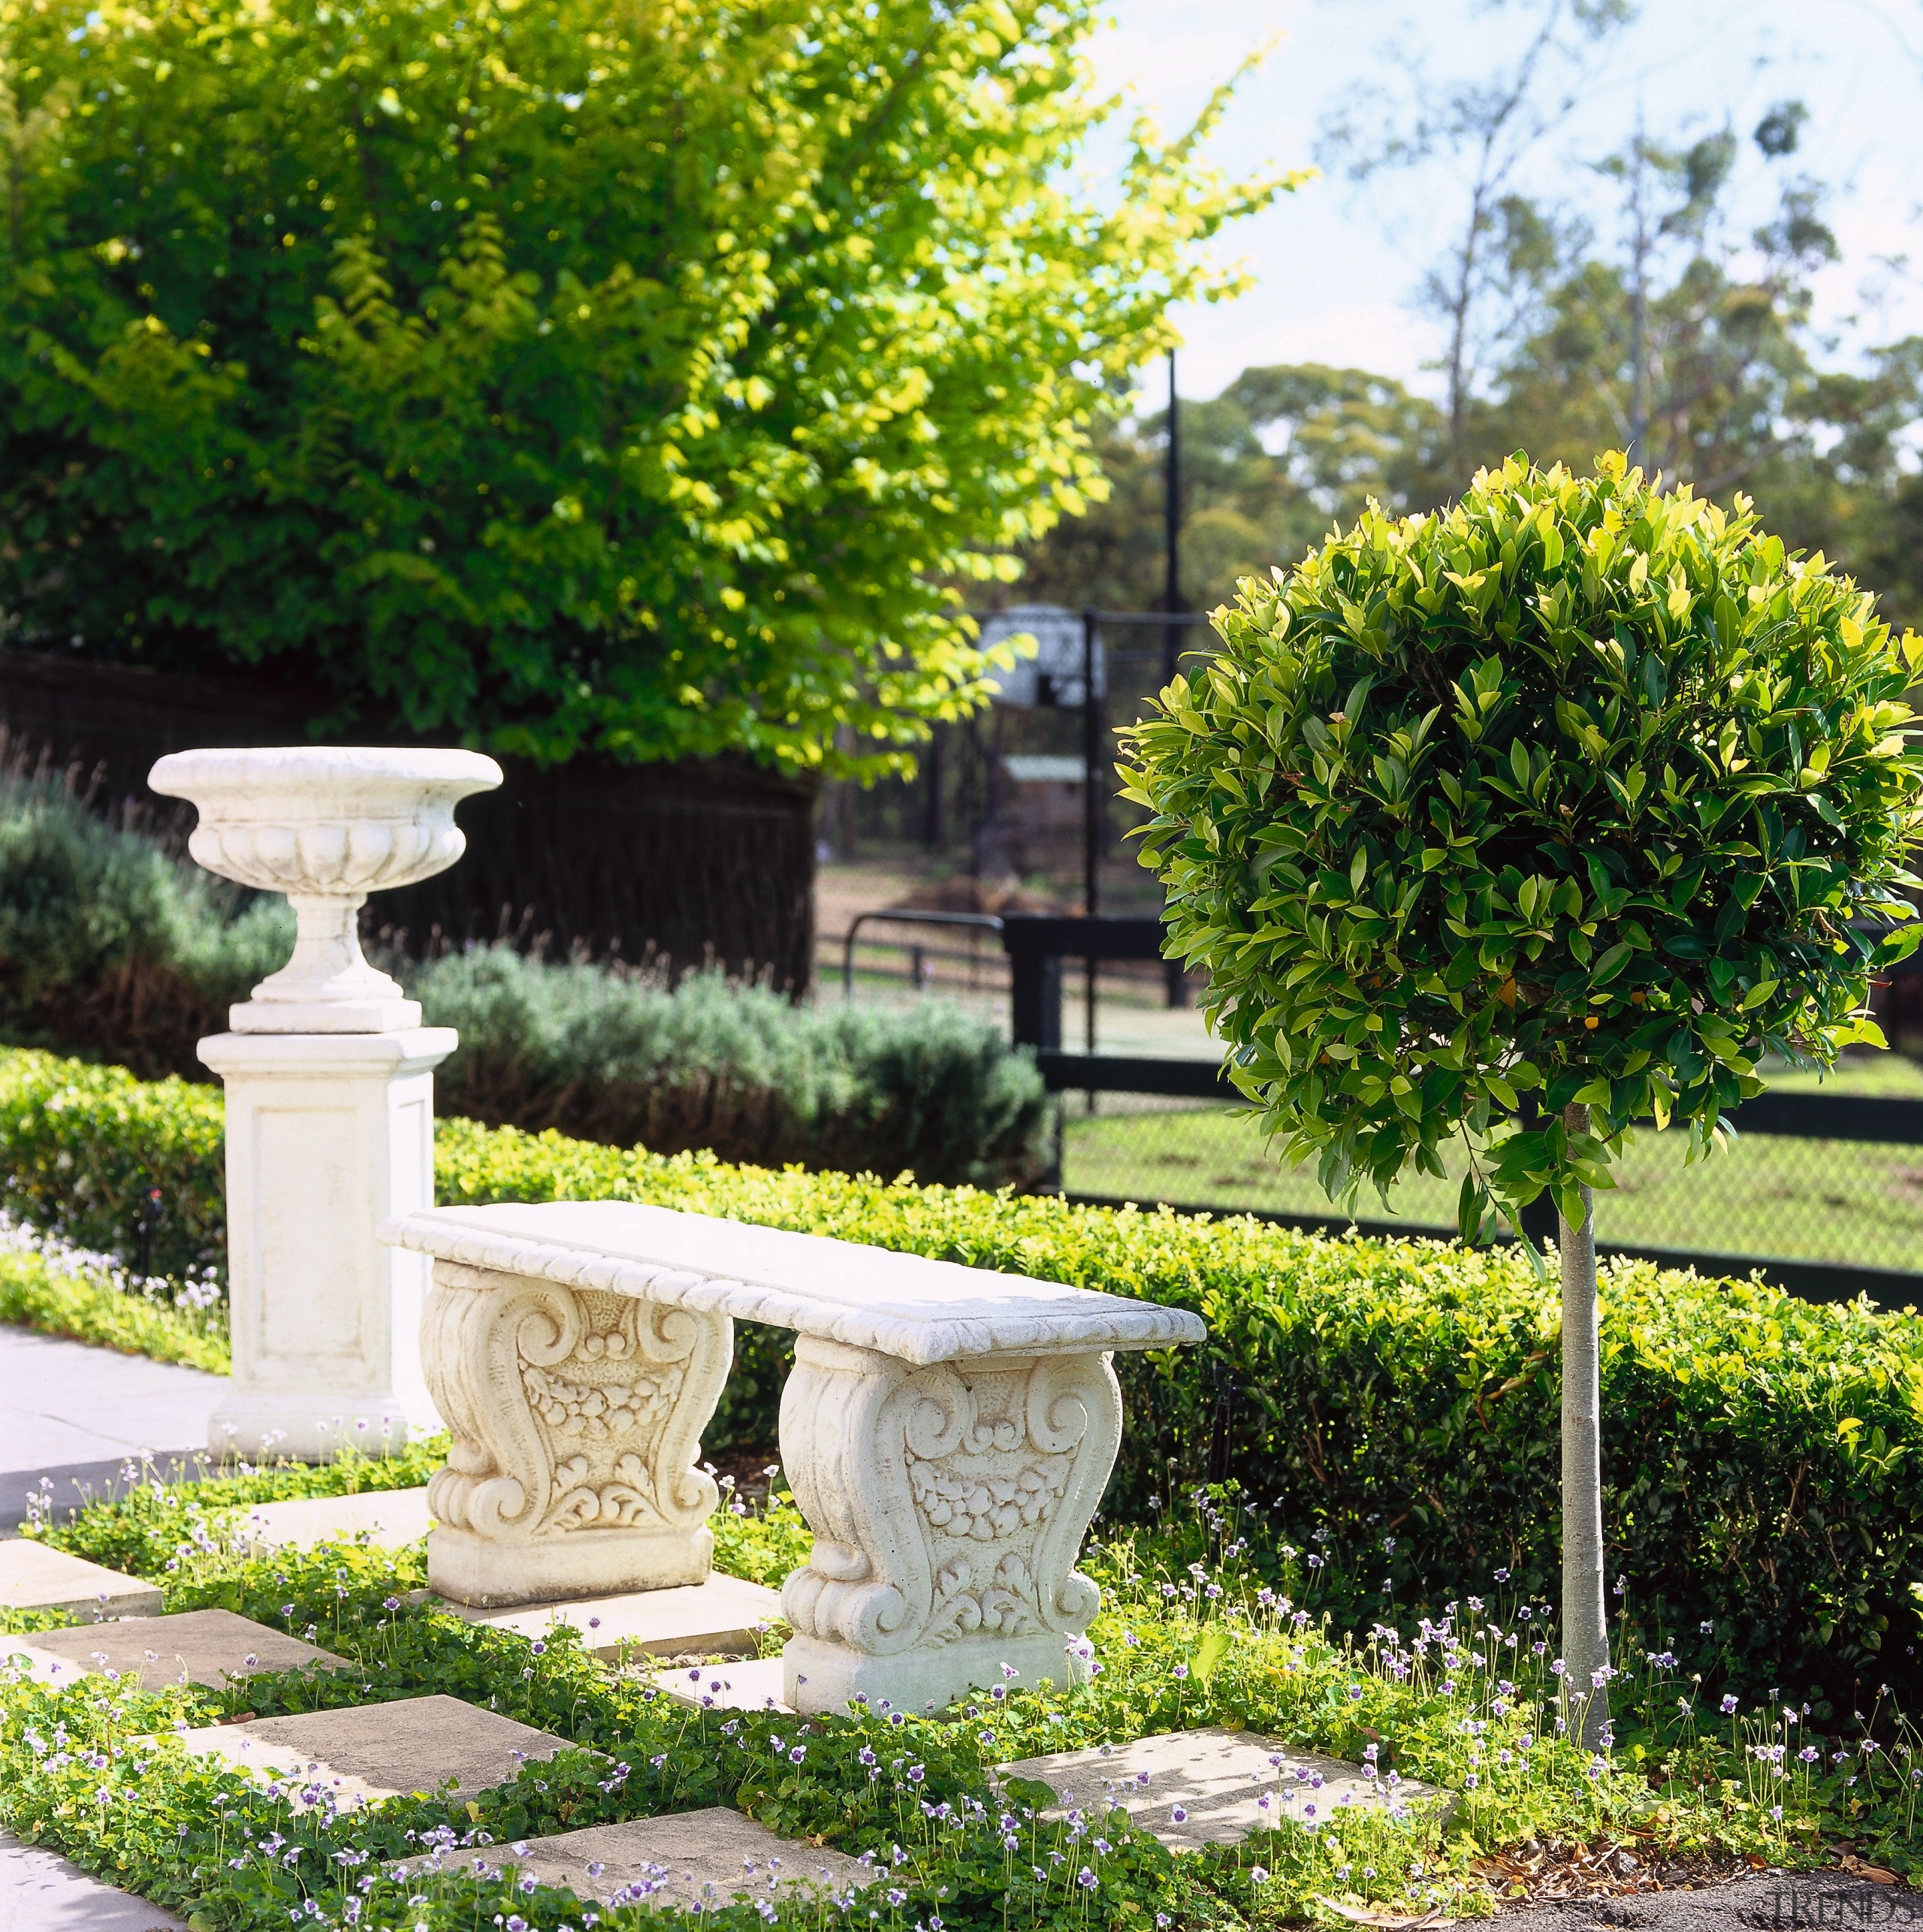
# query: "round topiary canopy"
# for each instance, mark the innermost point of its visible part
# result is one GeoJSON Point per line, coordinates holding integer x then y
{"type": "Point", "coordinates": [1580, 790]}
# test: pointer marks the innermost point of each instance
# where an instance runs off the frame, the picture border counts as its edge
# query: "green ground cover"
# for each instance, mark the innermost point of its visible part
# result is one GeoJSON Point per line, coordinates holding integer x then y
{"type": "Point", "coordinates": [1209, 1617]}
{"type": "Point", "coordinates": [92, 1299]}
{"type": "Point", "coordinates": [1857, 1202]}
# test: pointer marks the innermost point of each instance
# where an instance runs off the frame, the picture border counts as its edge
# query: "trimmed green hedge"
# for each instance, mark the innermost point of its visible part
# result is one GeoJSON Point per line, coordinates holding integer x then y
{"type": "Point", "coordinates": [83, 1149]}
{"type": "Point", "coordinates": [1764, 1456]}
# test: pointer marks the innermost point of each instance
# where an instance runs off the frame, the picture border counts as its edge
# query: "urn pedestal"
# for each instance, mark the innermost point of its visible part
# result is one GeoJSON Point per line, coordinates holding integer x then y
{"type": "Point", "coordinates": [330, 1088]}
{"type": "Point", "coordinates": [327, 1135]}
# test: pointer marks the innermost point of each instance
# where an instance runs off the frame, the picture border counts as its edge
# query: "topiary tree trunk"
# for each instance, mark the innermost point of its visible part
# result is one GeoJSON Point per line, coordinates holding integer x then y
{"type": "Point", "coordinates": [1585, 1626]}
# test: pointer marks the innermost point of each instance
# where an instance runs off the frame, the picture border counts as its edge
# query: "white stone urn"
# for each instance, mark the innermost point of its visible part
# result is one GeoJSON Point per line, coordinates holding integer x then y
{"type": "Point", "coordinates": [326, 824]}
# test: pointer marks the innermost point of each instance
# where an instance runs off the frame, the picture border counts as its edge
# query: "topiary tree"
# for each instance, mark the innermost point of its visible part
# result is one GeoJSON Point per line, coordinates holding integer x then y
{"type": "Point", "coordinates": [1582, 793]}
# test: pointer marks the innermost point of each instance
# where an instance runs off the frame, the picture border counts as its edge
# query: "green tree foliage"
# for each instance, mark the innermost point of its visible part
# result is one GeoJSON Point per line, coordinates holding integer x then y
{"type": "Point", "coordinates": [644, 379]}
{"type": "Point", "coordinates": [1583, 790]}
{"type": "Point", "coordinates": [1267, 465]}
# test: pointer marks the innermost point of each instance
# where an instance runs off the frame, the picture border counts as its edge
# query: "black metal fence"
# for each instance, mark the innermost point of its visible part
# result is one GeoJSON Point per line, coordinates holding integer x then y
{"type": "Point", "coordinates": [968, 805]}
{"type": "Point", "coordinates": [1824, 1194]}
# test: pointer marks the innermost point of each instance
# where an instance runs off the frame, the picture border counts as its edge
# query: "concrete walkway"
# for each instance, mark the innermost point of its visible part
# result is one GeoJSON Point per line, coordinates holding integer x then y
{"type": "Point", "coordinates": [40, 1892]}
{"type": "Point", "coordinates": [76, 1413]}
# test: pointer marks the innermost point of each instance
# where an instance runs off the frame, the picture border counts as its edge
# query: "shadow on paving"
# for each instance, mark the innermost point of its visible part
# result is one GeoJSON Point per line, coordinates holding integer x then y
{"type": "Point", "coordinates": [75, 1483]}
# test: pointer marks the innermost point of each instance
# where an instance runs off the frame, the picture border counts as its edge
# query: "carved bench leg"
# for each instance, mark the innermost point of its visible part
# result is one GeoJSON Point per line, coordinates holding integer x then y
{"type": "Point", "coordinates": [948, 1504]}
{"type": "Point", "coordinates": [577, 1418]}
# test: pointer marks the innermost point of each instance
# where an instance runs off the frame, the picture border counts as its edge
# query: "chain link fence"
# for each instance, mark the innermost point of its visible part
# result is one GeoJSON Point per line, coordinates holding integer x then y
{"type": "Point", "coordinates": [1847, 1203]}
{"type": "Point", "coordinates": [1014, 823]}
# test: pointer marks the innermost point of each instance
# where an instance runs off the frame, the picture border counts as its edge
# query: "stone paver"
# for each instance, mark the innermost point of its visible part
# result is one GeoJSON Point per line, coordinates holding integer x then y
{"type": "Point", "coordinates": [712, 1619]}
{"type": "Point", "coordinates": [64, 1402]}
{"type": "Point", "coordinates": [378, 1750]}
{"type": "Point", "coordinates": [390, 1518]}
{"type": "Point", "coordinates": [201, 1646]}
{"type": "Point", "coordinates": [749, 1683]}
{"type": "Point", "coordinates": [1805, 1900]}
{"type": "Point", "coordinates": [33, 1577]}
{"type": "Point", "coordinates": [1226, 1783]}
{"type": "Point", "coordinates": [683, 1860]}
{"type": "Point", "coordinates": [40, 1891]}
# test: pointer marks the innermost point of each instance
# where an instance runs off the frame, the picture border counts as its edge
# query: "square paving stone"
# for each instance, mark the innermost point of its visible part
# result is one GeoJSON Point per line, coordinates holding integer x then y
{"type": "Point", "coordinates": [749, 1683]}
{"type": "Point", "coordinates": [379, 1750]}
{"type": "Point", "coordinates": [722, 1615]}
{"type": "Point", "coordinates": [390, 1519]}
{"type": "Point", "coordinates": [1218, 1780]}
{"type": "Point", "coordinates": [200, 1647]}
{"type": "Point", "coordinates": [695, 1857]}
{"type": "Point", "coordinates": [33, 1577]}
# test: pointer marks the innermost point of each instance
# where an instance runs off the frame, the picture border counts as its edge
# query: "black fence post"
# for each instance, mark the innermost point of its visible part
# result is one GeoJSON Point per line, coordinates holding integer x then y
{"type": "Point", "coordinates": [1540, 1220]}
{"type": "Point", "coordinates": [1093, 816]}
{"type": "Point", "coordinates": [1035, 1000]}
{"type": "Point", "coordinates": [1221, 1425]}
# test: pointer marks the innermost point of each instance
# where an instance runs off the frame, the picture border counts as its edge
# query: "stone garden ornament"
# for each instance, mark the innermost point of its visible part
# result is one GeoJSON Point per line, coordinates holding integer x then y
{"type": "Point", "coordinates": [330, 1088]}
{"type": "Point", "coordinates": [947, 1431]}
{"type": "Point", "coordinates": [326, 824]}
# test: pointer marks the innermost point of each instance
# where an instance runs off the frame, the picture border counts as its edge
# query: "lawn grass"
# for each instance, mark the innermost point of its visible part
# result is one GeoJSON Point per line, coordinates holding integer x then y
{"type": "Point", "coordinates": [1856, 1202]}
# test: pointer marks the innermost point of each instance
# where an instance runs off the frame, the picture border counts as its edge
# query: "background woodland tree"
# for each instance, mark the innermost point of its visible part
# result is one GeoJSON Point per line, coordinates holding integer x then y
{"type": "Point", "coordinates": [1669, 333]}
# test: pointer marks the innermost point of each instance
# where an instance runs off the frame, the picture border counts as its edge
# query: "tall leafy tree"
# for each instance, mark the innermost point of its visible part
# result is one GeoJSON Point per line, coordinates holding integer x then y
{"type": "Point", "coordinates": [1489, 123]}
{"type": "Point", "coordinates": [651, 379]}
{"type": "Point", "coordinates": [1266, 466]}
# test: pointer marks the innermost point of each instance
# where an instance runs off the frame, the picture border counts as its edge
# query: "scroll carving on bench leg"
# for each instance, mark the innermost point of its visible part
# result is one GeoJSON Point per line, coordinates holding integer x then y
{"type": "Point", "coordinates": [576, 1416]}
{"type": "Point", "coordinates": [948, 1504]}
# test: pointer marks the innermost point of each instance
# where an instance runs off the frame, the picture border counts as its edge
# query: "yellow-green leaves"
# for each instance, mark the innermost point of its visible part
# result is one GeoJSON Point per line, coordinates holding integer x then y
{"type": "Point", "coordinates": [1622, 802]}
{"type": "Point", "coordinates": [645, 382]}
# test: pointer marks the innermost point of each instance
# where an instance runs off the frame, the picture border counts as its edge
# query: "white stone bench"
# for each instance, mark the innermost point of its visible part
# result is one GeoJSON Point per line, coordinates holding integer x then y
{"type": "Point", "coordinates": [947, 1431]}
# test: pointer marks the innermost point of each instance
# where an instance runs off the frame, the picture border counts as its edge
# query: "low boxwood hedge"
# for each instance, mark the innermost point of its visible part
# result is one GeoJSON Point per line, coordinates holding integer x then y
{"type": "Point", "coordinates": [1396, 1400]}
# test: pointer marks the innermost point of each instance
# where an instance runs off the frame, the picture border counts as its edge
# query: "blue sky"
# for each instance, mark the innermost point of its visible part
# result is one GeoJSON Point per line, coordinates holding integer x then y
{"type": "Point", "coordinates": [1337, 266]}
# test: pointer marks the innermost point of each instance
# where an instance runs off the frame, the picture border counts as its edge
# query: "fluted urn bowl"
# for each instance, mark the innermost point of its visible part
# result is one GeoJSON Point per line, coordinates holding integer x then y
{"type": "Point", "coordinates": [326, 824]}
